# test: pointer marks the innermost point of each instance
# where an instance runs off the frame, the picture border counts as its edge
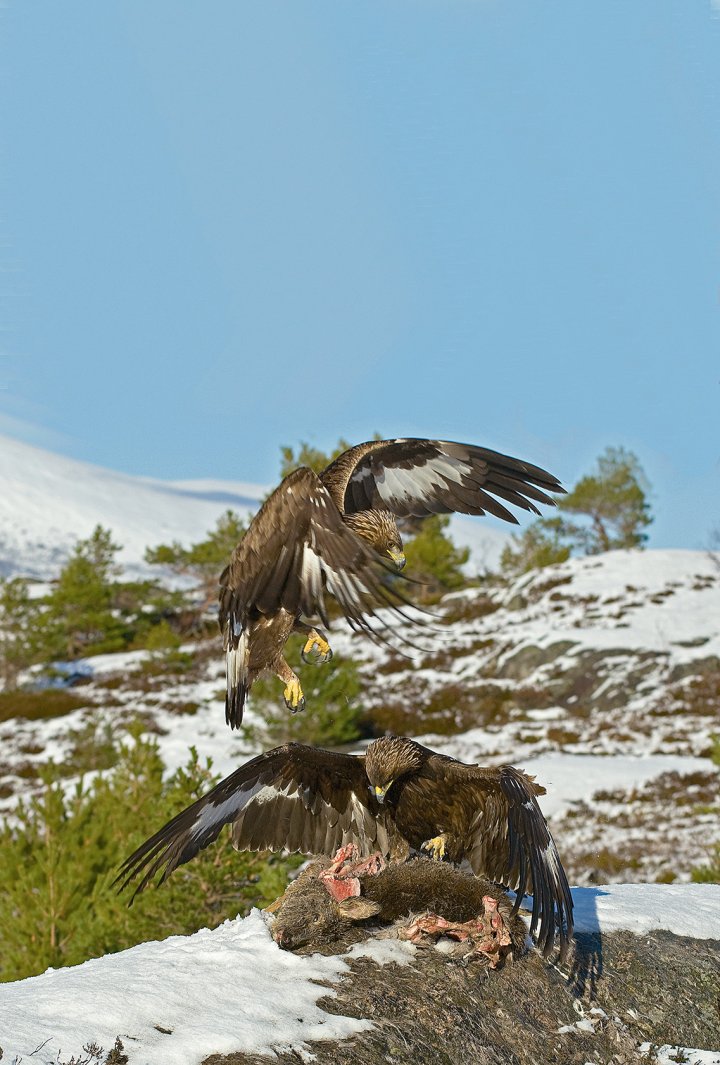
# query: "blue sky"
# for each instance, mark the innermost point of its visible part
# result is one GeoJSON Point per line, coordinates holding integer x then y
{"type": "Point", "coordinates": [229, 226]}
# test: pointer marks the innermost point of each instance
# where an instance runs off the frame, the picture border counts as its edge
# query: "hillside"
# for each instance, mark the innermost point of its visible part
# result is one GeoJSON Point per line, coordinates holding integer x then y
{"type": "Point", "coordinates": [49, 501]}
{"type": "Point", "coordinates": [601, 675]}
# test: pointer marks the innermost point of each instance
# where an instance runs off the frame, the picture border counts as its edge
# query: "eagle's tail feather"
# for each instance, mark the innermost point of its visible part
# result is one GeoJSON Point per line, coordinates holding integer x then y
{"type": "Point", "coordinates": [238, 679]}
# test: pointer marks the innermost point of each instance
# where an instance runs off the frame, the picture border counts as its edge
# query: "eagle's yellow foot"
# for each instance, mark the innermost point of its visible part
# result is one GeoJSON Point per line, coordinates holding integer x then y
{"type": "Point", "coordinates": [294, 698]}
{"type": "Point", "coordinates": [435, 847]}
{"type": "Point", "coordinates": [321, 648]}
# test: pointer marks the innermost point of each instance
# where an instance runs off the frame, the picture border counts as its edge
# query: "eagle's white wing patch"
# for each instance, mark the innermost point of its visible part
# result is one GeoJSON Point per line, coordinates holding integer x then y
{"type": "Point", "coordinates": [398, 485]}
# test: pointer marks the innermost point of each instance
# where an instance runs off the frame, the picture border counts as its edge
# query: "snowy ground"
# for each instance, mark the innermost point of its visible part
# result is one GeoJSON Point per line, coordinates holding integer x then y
{"type": "Point", "coordinates": [172, 1001]}
{"type": "Point", "coordinates": [602, 676]}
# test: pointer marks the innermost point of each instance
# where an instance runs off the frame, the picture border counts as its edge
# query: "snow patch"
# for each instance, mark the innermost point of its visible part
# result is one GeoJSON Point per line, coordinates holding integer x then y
{"type": "Point", "coordinates": [230, 989]}
{"type": "Point", "coordinates": [691, 910]}
{"type": "Point", "coordinates": [671, 1055]}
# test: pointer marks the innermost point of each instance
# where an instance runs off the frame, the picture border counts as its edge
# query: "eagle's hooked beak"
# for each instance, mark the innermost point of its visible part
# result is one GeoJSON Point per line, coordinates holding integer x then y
{"type": "Point", "coordinates": [380, 793]}
{"type": "Point", "coordinates": [398, 558]}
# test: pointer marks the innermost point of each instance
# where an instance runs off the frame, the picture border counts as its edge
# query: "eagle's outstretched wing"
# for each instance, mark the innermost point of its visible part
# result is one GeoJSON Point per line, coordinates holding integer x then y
{"type": "Point", "coordinates": [421, 477]}
{"type": "Point", "coordinates": [296, 549]}
{"type": "Point", "coordinates": [293, 798]}
{"type": "Point", "coordinates": [510, 842]}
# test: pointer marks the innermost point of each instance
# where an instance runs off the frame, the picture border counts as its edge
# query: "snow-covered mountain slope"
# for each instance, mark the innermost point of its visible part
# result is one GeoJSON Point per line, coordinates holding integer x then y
{"type": "Point", "coordinates": [183, 999]}
{"type": "Point", "coordinates": [614, 653]}
{"type": "Point", "coordinates": [601, 675]}
{"type": "Point", "coordinates": [48, 502]}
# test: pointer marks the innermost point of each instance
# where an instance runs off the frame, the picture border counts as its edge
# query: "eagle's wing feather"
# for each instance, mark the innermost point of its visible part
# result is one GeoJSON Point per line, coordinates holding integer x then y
{"type": "Point", "coordinates": [296, 549]}
{"type": "Point", "coordinates": [510, 842]}
{"type": "Point", "coordinates": [421, 477]}
{"type": "Point", "coordinates": [294, 798]}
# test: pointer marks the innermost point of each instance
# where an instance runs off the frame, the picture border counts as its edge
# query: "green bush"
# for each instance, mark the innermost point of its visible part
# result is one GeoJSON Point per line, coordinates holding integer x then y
{"type": "Point", "coordinates": [332, 691]}
{"type": "Point", "coordinates": [61, 853]}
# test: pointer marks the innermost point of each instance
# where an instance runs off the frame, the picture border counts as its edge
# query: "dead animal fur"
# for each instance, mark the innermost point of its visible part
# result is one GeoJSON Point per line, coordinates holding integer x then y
{"type": "Point", "coordinates": [334, 905]}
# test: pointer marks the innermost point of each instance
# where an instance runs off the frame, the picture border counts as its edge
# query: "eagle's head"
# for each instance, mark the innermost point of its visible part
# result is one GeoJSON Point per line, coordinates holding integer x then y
{"type": "Point", "coordinates": [390, 759]}
{"type": "Point", "coordinates": [379, 529]}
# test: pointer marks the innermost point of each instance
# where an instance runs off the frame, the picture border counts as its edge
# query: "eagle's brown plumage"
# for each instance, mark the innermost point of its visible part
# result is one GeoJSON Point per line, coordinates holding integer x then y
{"type": "Point", "coordinates": [398, 796]}
{"type": "Point", "coordinates": [336, 533]}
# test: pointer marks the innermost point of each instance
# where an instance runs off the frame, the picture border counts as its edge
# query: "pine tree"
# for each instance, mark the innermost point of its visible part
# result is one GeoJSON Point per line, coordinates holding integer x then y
{"type": "Point", "coordinates": [78, 618]}
{"type": "Point", "coordinates": [613, 511]}
{"type": "Point", "coordinates": [434, 560]}
{"type": "Point", "coordinates": [61, 853]}
{"type": "Point", "coordinates": [18, 629]}
{"type": "Point", "coordinates": [205, 560]}
{"type": "Point", "coordinates": [614, 499]}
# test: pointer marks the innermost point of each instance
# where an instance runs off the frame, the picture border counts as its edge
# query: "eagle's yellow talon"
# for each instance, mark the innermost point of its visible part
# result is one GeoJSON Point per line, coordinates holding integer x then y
{"type": "Point", "coordinates": [320, 646]}
{"type": "Point", "coordinates": [435, 847]}
{"type": "Point", "coordinates": [294, 698]}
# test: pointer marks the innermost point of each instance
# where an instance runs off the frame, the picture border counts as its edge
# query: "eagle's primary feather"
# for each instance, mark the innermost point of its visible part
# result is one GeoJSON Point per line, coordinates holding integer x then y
{"type": "Point", "coordinates": [300, 798]}
{"type": "Point", "coordinates": [336, 533]}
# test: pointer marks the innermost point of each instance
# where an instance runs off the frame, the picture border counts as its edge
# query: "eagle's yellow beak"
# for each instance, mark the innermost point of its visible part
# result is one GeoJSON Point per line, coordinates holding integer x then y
{"type": "Point", "coordinates": [398, 558]}
{"type": "Point", "coordinates": [380, 793]}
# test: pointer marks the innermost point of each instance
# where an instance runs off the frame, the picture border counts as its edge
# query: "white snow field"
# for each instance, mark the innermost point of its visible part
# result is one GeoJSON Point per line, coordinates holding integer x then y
{"type": "Point", "coordinates": [233, 989]}
{"type": "Point", "coordinates": [49, 501]}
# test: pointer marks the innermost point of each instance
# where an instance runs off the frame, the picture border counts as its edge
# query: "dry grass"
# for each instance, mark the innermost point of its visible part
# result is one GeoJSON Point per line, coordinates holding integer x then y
{"type": "Point", "coordinates": [37, 706]}
{"type": "Point", "coordinates": [468, 609]}
{"type": "Point", "coordinates": [699, 695]}
{"type": "Point", "coordinates": [447, 711]}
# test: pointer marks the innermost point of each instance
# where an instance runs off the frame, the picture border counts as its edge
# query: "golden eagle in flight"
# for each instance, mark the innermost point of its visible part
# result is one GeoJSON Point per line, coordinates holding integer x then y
{"type": "Point", "coordinates": [336, 532]}
{"type": "Point", "coordinates": [396, 797]}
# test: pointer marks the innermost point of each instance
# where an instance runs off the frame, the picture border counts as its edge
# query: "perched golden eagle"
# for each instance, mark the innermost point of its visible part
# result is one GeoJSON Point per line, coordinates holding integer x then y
{"type": "Point", "coordinates": [397, 797]}
{"type": "Point", "coordinates": [337, 533]}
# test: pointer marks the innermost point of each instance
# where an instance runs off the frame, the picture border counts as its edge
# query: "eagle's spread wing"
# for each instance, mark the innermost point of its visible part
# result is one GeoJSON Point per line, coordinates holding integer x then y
{"type": "Point", "coordinates": [298, 547]}
{"type": "Point", "coordinates": [294, 798]}
{"type": "Point", "coordinates": [423, 477]}
{"type": "Point", "coordinates": [510, 842]}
